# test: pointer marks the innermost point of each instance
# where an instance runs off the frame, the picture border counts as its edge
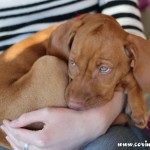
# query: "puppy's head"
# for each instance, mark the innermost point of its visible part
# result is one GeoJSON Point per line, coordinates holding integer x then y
{"type": "Point", "coordinates": [95, 48]}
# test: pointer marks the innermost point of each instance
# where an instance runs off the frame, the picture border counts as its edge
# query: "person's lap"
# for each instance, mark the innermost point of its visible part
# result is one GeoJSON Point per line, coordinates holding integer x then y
{"type": "Point", "coordinates": [114, 136]}
{"type": "Point", "coordinates": [119, 135]}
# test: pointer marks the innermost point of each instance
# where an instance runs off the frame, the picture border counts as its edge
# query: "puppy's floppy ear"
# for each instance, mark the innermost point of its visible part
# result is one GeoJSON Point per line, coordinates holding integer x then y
{"type": "Point", "coordinates": [62, 38]}
{"type": "Point", "coordinates": [139, 48]}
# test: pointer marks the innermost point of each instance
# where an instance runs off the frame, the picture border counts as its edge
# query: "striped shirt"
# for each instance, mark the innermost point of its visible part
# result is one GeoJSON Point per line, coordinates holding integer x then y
{"type": "Point", "coordinates": [20, 19]}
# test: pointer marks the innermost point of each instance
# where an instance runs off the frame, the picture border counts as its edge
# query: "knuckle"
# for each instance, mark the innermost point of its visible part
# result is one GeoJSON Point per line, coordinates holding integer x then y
{"type": "Point", "coordinates": [43, 140]}
{"type": "Point", "coordinates": [23, 117]}
{"type": "Point", "coordinates": [18, 136]}
{"type": "Point", "coordinates": [48, 111]}
{"type": "Point", "coordinates": [41, 143]}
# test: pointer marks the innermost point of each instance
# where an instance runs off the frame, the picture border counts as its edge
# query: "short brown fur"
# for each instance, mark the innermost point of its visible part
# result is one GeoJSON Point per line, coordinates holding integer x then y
{"type": "Point", "coordinates": [34, 72]}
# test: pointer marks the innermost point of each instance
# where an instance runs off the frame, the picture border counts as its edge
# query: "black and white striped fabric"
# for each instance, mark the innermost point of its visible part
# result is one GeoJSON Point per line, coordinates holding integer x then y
{"type": "Point", "coordinates": [21, 18]}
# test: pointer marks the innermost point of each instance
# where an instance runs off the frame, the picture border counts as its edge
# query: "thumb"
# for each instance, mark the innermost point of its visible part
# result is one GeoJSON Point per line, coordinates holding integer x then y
{"type": "Point", "coordinates": [29, 118]}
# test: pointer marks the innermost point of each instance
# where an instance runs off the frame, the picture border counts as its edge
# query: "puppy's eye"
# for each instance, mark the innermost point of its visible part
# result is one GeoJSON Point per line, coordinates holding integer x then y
{"type": "Point", "coordinates": [72, 63]}
{"type": "Point", "coordinates": [104, 69]}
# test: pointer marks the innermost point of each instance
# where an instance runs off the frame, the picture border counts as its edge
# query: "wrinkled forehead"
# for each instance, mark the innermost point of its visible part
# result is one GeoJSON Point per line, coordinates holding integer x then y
{"type": "Point", "coordinates": [98, 38]}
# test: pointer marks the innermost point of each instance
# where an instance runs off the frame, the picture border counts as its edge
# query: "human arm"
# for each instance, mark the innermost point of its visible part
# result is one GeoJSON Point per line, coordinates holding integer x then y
{"type": "Point", "coordinates": [64, 129]}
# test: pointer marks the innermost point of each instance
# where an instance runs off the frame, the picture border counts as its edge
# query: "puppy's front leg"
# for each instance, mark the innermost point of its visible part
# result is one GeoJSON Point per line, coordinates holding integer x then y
{"type": "Point", "coordinates": [136, 101]}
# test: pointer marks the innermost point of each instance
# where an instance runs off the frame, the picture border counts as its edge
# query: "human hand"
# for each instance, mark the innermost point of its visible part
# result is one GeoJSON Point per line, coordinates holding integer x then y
{"type": "Point", "coordinates": [64, 129]}
{"type": "Point", "coordinates": [61, 130]}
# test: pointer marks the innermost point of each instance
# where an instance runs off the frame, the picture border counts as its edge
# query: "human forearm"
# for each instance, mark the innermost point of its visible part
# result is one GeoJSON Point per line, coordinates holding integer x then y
{"type": "Point", "coordinates": [96, 121]}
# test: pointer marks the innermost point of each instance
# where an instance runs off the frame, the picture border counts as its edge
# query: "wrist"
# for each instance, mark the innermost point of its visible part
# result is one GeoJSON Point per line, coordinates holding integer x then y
{"type": "Point", "coordinates": [96, 121]}
{"type": "Point", "coordinates": [92, 124]}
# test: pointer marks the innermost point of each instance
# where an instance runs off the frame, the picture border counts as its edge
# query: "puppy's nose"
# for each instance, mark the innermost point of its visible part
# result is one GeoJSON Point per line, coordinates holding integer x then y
{"type": "Point", "coordinates": [76, 105]}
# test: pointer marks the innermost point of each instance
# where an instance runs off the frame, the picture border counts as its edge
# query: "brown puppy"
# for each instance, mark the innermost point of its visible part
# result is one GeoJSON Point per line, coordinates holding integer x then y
{"type": "Point", "coordinates": [100, 56]}
{"type": "Point", "coordinates": [30, 79]}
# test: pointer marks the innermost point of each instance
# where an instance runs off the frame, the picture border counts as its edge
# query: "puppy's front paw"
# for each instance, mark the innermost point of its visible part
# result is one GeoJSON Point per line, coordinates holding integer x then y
{"type": "Point", "coordinates": [140, 118]}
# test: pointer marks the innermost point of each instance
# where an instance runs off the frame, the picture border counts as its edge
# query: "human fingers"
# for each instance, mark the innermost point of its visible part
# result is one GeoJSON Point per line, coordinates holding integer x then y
{"type": "Point", "coordinates": [18, 145]}
{"type": "Point", "coordinates": [20, 134]}
{"type": "Point", "coordinates": [10, 141]}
